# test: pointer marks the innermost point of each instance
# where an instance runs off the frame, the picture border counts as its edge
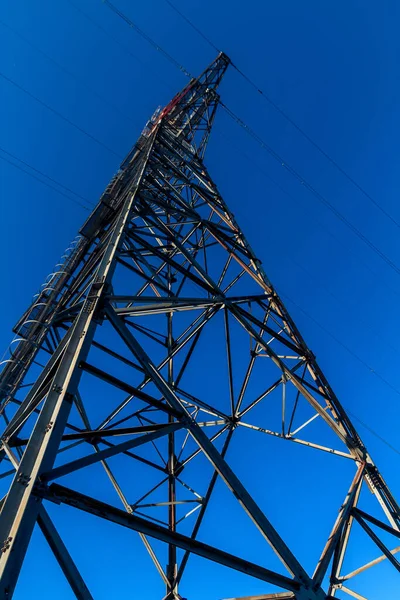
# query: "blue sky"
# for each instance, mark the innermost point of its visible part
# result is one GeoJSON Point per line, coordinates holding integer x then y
{"type": "Point", "coordinates": [331, 66]}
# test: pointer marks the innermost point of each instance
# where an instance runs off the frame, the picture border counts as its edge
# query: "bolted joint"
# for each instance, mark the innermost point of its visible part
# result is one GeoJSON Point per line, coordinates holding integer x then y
{"type": "Point", "coordinates": [6, 545]}
{"type": "Point", "coordinates": [48, 426]}
{"type": "Point", "coordinates": [178, 467]}
{"type": "Point", "coordinates": [211, 93]}
{"type": "Point", "coordinates": [98, 283]}
{"type": "Point", "coordinates": [234, 421]}
{"type": "Point", "coordinates": [41, 490]}
{"type": "Point", "coordinates": [23, 479]}
{"type": "Point", "coordinates": [89, 305]}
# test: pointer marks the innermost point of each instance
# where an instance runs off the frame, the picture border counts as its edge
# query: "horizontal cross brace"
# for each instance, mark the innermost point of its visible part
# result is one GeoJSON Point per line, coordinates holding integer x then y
{"type": "Point", "coordinates": [91, 459]}
{"type": "Point", "coordinates": [59, 494]}
{"type": "Point", "coordinates": [99, 433]}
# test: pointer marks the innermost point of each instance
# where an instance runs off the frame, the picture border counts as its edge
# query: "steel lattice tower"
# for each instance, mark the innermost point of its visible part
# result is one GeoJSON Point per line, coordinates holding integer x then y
{"type": "Point", "coordinates": [158, 263]}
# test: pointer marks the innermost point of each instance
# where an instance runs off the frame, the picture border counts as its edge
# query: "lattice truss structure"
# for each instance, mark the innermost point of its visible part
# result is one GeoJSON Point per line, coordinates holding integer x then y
{"type": "Point", "coordinates": [157, 340]}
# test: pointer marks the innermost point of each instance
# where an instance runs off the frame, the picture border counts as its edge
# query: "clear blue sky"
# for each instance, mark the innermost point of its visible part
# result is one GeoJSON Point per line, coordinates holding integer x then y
{"type": "Point", "coordinates": [333, 67]}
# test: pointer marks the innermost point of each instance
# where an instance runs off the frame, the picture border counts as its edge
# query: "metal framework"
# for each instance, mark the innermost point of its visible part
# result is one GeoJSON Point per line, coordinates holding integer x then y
{"type": "Point", "coordinates": [105, 366]}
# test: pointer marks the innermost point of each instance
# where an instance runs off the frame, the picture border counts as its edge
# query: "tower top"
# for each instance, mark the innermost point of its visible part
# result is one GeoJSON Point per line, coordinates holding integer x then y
{"type": "Point", "coordinates": [189, 115]}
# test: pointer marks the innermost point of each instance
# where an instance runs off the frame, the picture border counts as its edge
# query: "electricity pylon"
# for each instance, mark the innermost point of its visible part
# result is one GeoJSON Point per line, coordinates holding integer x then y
{"type": "Point", "coordinates": [105, 370]}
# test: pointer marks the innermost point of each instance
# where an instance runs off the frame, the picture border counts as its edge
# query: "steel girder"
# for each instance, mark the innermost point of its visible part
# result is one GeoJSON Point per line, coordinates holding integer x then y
{"type": "Point", "coordinates": [160, 261]}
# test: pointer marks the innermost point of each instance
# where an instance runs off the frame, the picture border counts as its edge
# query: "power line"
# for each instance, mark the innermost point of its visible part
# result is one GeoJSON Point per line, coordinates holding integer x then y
{"type": "Point", "coordinates": [382, 439]}
{"type": "Point", "coordinates": [116, 40]}
{"type": "Point", "coordinates": [148, 39]}
{"type": "Point", "coordinates": [349, 350]}
{"type": "Point", "coordinates": [290, 120]}
{"type": "Point", "coordinates": [50, 108]}
{"type": "Point", "coordinates": [46, 176]}
{"type": "Point", "coordinates": [207, 39]}
{"type": "Point", "coordinates": [310, 188]}
{"type": "Point", "coordinates": [64, 69]}
{"type": "Point", "coordinates": [318, 147]}
{"type": "Point", "coordinates": [341, 302]}
{"type": "Point", "coordinates": [43, 182]}
{"type": "Point", "coordinates": [58, 114]}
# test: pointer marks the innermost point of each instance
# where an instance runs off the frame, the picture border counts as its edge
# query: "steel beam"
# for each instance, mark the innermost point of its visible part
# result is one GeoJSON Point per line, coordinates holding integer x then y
{"type": "Point", "coordinates": [58, 493]}
{"type": "Point", "coordinates": [63, 557]}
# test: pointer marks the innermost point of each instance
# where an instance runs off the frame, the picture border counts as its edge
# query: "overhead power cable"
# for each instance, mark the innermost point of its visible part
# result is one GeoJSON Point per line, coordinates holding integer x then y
{"type": "Point", "coordinates": [322, 225]}
{"type": "Point", "coordinates": [310, 188]}
{"type": "Point", "coordinates": [67, 189]}
{"type": "Point", "coordinates": [148, 39]}
{"type": "Point", "coordinates": [58, 114]}
{"type": "Point", "coordinates": [43, 182]}
{"type": "Point", "coordinates": [117, 41]}
{"type": "Point", "coordinates": [318, 147]}
{"type": "Point", "coordinates": [80, 80]}
{"type": "Point", "coordinates": [207, 39]}
{"type": "Point", "coordinates": [377, 435]}
{"type": "Point", "coordinates": [349, 350]}
{"type": "Point", "coordinates": [289, 119]}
